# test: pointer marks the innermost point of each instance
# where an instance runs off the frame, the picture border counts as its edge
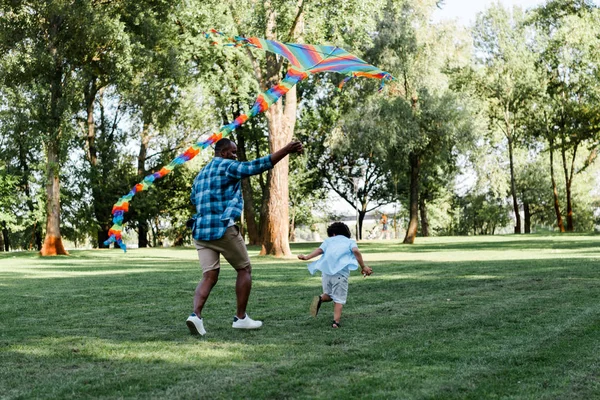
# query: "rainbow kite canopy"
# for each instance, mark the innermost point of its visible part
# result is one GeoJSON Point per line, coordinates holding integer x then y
{"type": "Point", "coordinates": [305, 60]}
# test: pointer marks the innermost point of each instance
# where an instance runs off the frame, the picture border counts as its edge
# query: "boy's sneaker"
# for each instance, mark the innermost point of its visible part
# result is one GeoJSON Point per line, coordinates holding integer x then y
{"type": "Point", "coordinates": [195, 325]}
{"type": "Point", "coordinates": [245, 323]}
{"type": "Point", "coordinates": [315, 305]}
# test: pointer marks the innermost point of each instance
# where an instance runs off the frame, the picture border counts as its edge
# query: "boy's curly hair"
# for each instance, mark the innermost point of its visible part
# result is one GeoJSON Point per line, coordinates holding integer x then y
{"type": "Point", "coordinates": [338, 228]}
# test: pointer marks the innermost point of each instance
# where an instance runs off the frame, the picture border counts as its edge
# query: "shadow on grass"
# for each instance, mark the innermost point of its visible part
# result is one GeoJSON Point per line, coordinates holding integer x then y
{"type": "Point", "coordinates": [415, 329]}
{"type": "Point", "coordinates": [468, 329]}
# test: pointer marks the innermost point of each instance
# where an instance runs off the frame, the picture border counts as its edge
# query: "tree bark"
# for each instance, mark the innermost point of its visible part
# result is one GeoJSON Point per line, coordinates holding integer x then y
{"type": "Point", "coordinates": [361, 219]}
{"type": "Point", "coordinates": [275, 215]}
{"type": "Point", "coordinates": [568, 183]}
{"type": "Point", "coordinates": [53, 242]}
{"type": "Point", "coordinates": [413, 223]}
{"type": "Point", "coordinates": [559, 219]}
{"type": "Point", "coordinates": [248, 196]}
{"type": "Point", "coordinates": [4, 245]}
{"type": "Point", "coordinates": [527, 216]}
{"type": "Point", "coordinates": [292, 237]}
{"type": "Point", "coordinates": [141, 171]}
{"type": "Point", "coordinates": [424, 217]}
{"type": "Point", "coordinates": [513, 187]}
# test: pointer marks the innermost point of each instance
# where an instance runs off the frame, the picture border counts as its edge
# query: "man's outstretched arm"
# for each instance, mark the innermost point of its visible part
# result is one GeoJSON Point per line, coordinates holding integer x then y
{"type": "Point", "coordinates": [239, 169]}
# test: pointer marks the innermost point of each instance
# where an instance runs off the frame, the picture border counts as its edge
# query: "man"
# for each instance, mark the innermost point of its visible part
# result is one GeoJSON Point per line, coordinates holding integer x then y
{"type": "Point", "coordinates": [384, 226]}
{"type": "Point", "coordinates": [217, 195]}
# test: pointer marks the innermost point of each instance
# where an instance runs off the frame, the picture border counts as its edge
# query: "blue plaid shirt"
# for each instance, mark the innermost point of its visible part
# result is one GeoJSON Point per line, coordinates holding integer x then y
{"type": "Point", "coordinates": [217, 194]}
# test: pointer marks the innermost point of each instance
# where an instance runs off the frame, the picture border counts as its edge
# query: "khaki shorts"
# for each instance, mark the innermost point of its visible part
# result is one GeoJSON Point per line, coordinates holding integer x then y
{"type": "Point", "coordinates": [231, 246]}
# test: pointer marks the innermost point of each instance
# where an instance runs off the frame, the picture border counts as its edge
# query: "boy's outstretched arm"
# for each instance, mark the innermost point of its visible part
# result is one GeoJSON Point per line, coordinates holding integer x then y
{"type": "Point", "coordinates": [317, 252]}
{"type": "Point", "coordinates": [364, 269]}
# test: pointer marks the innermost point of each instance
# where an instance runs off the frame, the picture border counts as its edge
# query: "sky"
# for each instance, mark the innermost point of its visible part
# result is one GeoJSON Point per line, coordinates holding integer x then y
{"type": "Point", "coordinates": [465, 11]}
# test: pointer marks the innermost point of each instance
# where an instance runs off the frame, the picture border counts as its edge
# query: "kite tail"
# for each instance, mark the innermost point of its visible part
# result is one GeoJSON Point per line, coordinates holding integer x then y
{"type": "Point", "coordinates": [386, 77]}
{"type": "Point", "coordinates": [343, 82]}
{"type": "Point", "coordinates": [262, 103]}
{"type": "Point", "coordinates": [235, 41]}
{"type": "Point", "coordinates": [122, 205]}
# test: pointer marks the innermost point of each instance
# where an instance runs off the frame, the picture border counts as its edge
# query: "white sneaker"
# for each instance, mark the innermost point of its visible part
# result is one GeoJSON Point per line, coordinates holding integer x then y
{"type": "Point", "coordinates": [195, 325]}
{"type": "Point", "coordinates": [246, 323]}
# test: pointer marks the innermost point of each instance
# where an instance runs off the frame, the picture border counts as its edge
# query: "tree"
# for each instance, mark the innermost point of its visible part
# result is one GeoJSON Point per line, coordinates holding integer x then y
{"type": "Point", "coordinates": [533, 183]}
{"type": "Point", "coordinates": [20, 150]}
{"type": "Point", "coordinates": [568, 38]}
{"type": "Point", "coordinates": [504, 77]}
{"type": "Point", "coordinates": [40, 44]}
{"type": "Point", "coordinates": [420, 116]}
{"type": "Point", "coordinates": [105, 66]}
{"type": "Point", "coordinates": [348, 154]}
{"type": "Point", "coordinates": [8, 184]}
{"type": "Point", "coordinates": [285, 21]}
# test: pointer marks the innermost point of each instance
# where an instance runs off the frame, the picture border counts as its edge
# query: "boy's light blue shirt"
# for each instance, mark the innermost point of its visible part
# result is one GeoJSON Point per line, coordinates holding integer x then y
{"type": "Point", "coordinates": [337, 257]}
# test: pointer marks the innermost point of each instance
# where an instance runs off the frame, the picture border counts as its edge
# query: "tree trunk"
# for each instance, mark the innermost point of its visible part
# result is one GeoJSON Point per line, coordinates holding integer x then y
{"type": "Point", "coordinates": [179, 240]}
{"type": "Point", "coordinates": [281, 122]}
{"type": "Point", "coordinates": [38, 236]}
{"type": "Point", "coordinates": [3, 242]}
{"type": "Point", "coordinates": [413, 222]}
{"type": "Point", "coordinates": [102, 221]}
{"type": "Point", "coordinates": [248, 196]}
{"type": "Point", "coordinates": [249, 213]}
{"type": "Point", "coordinates": [568, 183]}
{"type": "Point", "coordinates": [527, 212]}
{"type": "Point", "coordinates": [101, 237]}
{"type": "Point", "coordinates": [90, 96]}
{"type": "Point", "coordinates": [142, 233]}
{"type": "Point", "coordinates": [292, 237]}
{"type": "Point", "coordinates": [513, 188]}
{"type": "Point", "coordinates": [53, 241]}
{"type": "Point", "coordinates": [275, 215]}
{"type": "Point", "coordinates": [141, 171]}
{"type": "Point", "coordinates": [559, 219]}
{"type": "Point", "coordinates": [424, 217]}
{"type": "Point", "coordinates": [361, 219]}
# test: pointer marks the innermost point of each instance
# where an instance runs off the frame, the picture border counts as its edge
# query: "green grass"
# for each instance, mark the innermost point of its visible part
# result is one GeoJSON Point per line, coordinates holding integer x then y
{"type": "Point", "coordinates": [502, 317]}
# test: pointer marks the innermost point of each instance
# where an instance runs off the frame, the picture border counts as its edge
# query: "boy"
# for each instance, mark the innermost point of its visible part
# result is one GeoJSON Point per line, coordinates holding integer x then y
{"type": "Point", "coordinates": [340, 256]}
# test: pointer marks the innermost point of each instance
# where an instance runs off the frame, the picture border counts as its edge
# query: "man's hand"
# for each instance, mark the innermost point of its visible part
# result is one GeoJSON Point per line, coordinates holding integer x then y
{"type": "Point", "coordinates": [291, 147]}
{"type": "Point", "coordinates": [366, 271]}
{"type": "Point", "coordinates": [302, 257]}
{"type": "Point", "coordinates": [294, 147]}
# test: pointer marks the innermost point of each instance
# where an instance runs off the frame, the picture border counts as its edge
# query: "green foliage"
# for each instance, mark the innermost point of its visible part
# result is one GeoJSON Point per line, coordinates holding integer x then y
{"type": "Point", "coordinates": [475, 214]}
{"type": "Point", "coordinates": [306, 192]}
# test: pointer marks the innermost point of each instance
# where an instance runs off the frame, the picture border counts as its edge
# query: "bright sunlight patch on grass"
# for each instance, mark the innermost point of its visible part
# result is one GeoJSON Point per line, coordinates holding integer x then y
{"type": "Point", "coordinates": [39, 273]}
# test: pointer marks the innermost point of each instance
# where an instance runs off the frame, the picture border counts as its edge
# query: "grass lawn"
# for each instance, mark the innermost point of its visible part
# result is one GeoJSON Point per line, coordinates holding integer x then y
{"type": "Point", "coordinates": [501, 317]}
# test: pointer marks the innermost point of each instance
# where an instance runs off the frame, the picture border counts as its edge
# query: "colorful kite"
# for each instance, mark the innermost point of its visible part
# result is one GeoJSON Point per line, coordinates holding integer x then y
{"type": "Point", "coordinates": [305, 59]}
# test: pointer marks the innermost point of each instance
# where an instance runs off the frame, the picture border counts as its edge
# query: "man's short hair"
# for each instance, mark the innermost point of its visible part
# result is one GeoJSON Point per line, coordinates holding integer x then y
{"type": "Point", "coordinates": [222, 144]}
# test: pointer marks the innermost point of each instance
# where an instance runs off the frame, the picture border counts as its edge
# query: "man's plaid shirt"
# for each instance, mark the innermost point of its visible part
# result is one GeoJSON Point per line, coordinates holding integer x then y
{"type": "Point", "coordinates": [217, 194]}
